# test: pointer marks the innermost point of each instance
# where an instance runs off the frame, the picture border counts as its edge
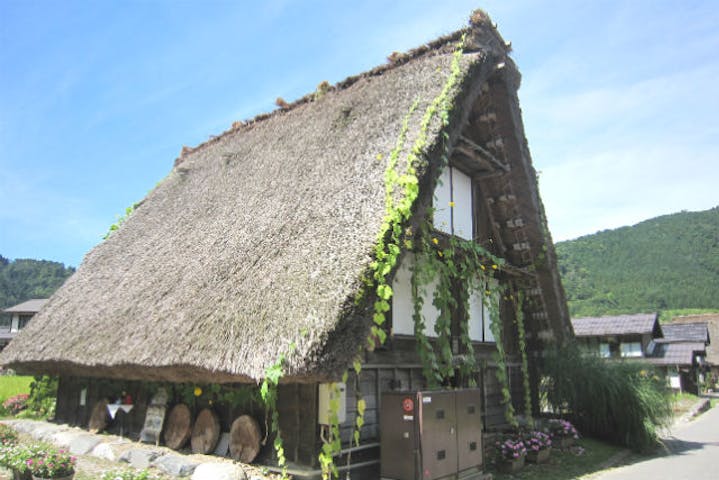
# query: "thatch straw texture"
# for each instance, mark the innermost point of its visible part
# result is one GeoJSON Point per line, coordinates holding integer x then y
{"type": "Point", "coordinates": [256, 240]}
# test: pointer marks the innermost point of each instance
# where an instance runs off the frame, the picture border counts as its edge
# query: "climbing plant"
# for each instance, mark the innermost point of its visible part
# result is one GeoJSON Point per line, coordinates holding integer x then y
{"type": "Point", "coordinates": [120, 220]}
{"type": "Point", "coordinates": [500, 356]}
{"type": "Point", "coordinates": [522, 340]}
{"type": "Point", "coordinates": [268, 393]}
{"type": "Point", "coordinates": [332, 443]}
{"type": "Point", "coordinates": [449, 263]}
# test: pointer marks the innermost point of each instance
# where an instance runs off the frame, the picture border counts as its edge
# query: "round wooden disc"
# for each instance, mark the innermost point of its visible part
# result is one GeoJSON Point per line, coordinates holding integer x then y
{"type": "Point", "coordinates": [98, 417]}
{"type": "Point", "coordinates": [206, 432]}
{"type": "Point", "coordinates": [245, 437]}
{"type": "Point", "coordinates": [178, 426]}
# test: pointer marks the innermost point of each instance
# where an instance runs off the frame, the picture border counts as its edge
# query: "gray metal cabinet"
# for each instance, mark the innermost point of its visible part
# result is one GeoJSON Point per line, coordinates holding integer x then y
{"type": "Point", "coordinates": [430, 435]}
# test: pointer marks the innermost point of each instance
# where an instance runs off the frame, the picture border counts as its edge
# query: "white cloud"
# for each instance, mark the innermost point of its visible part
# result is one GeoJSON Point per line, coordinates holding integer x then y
{"type": "Point", "coordinates": [616, 153]}
{"type": "Point", "coordinates": [613, 188]}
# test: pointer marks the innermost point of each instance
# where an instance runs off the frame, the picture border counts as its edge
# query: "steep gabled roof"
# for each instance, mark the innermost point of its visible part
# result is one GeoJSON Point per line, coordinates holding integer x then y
{"type": "Point", "coordinates": [642, 323]}
{"type": "Point", "coordinates": [257, 243]}
{"type": "Point", "coordinates": [30, 306]}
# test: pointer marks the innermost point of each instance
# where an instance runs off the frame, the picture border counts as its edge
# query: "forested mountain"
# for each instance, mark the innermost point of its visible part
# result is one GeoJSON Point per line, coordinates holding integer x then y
{"type": "Point", "coordinates": [667, 262]}
{"type": "Point", "coordinates": [23, 279]}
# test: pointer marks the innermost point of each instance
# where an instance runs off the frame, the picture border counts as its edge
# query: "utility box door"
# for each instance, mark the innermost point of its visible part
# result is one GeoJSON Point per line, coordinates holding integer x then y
{"type": "Point", "coordinates": [438, 437]}
{"type": "Point", "coordinates": [327, 393]}
{"type": "Point", "coordinates": [469, 429]}
{"type": "Point", "coordinates": [399, 446]}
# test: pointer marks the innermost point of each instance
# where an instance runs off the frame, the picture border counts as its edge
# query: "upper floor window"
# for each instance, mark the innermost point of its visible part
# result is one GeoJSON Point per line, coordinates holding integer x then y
{"type": "Point", "coordinates": [479, 318]}
{"type": "Point", "coordinates": [403, 304]}
{"type": "Point", "coordinates": [631, 349]}
{"type": "Point", "coordinates": [452, 203]}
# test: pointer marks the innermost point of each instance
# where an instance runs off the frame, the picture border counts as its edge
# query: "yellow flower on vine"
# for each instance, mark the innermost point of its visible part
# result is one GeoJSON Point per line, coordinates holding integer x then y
{"type": "Point", "coordinates": [435, 241]}
{"type": "Point", "coordinates": [198, 391]}
{"type": "Point", "coordinates": [439, 252]}
{"type": "Point", "coordinates": [482, 267]}
{"type": "Point", "coordinates": [494, 266]}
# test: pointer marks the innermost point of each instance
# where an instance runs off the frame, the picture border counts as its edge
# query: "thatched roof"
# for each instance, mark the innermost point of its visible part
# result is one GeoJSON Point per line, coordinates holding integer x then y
{"type": "Point", "coordinates": [638, 324]}
{"type": "Point", "coordinates": [29, 306]}
{"type": "Point", "coordinates": [258, 240]}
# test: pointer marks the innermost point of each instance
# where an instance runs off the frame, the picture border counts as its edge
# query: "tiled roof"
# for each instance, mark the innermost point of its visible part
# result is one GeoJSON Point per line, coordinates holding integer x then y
{"type": "Point", "coordinates": [712, 321]}
{"type": "Point", "coordinates": [30, 306]}
{"type": "Point", "coordinates": [687, 332]}
{"type": "Point", "coordinates": [614, 325]}
{"type": "Point", "coordinates": [680, 353]}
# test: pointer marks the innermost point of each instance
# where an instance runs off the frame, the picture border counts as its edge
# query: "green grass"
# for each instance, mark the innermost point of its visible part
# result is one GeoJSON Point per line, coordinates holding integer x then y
{"type": "Point", "coordinates": [564, 465]}
{"type": "Point", "coordinates": [12, 385]}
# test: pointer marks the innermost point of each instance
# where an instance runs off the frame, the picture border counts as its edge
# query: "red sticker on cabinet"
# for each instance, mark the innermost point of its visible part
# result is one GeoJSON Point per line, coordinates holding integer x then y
{"type": "Point", "coordinates": [407, 404]}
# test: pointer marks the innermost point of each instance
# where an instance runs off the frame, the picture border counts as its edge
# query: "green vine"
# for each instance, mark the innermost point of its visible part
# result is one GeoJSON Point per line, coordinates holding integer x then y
{"type": "Point", "coordinates": [332, 445]}
{"type": "Point", "coordinates": [268, 393]}
{"type": "Point", "coordinates": [421, 272]}
{"type": "Point", "coordinates": [361, 405]}
{"type": "Point", "coordinates": [120, 220]}
{"type": "Point", "coordinates": [500, 356]}
{"type": "Point", "coordinates": [521, 333]}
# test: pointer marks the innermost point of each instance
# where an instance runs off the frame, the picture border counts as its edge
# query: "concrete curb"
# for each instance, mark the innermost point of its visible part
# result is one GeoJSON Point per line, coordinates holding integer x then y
{"type": "Point", "coordinates": [701, 406]}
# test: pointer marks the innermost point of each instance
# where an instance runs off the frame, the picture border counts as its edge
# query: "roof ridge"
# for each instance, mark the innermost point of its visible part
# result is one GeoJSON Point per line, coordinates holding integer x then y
{"type": "Point", "coordinates": [479, 22]}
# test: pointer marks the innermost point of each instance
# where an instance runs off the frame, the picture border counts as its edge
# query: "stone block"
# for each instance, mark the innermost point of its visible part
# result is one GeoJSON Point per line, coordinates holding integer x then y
{"type": "Point", "coordinates": [175, 465]}
{"type": "Point", "coordinates": [218, 471]}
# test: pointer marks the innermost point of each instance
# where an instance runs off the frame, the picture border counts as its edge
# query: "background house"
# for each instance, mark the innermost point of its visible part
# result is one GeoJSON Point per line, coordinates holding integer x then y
{"type": "Point", "coordinates": [676, 349]}
{"type": "Point", "coordinates": [18, 317]}
{"type": "Point", "coordinates": [712, 356]}
{"type": "Point", "coordinates": [681, 354]}
{"type": "Point", "coordinates": [261, 249]}
{"type": "Point", "coordinates": [620, 335]}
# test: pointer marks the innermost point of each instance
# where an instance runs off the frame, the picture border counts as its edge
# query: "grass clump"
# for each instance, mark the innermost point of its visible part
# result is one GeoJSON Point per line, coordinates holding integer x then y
{"type": "Point", "coordinates": [624, 402]}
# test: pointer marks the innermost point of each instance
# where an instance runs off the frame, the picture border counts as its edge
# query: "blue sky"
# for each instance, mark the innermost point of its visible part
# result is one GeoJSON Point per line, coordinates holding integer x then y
{"type": "Point", "coordinates": [98, 98]}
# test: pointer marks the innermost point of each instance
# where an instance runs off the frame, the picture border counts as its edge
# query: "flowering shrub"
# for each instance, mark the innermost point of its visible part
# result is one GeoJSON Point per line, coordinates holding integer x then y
{"type": "Point", "coordinates": [8, 435]}
{"type": "Point", "coordinates": [16, 403]}
{"type": "Point", "coordinates": [535, 441]}
{"type": "Point", "coordinates": [51, 464]}
{"type": "Point", "coordinates": [14, 456]}
{"type": "Point", "coordinates": [510, 449]}
{"type": "Point", "coordinates": [559, 428]}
